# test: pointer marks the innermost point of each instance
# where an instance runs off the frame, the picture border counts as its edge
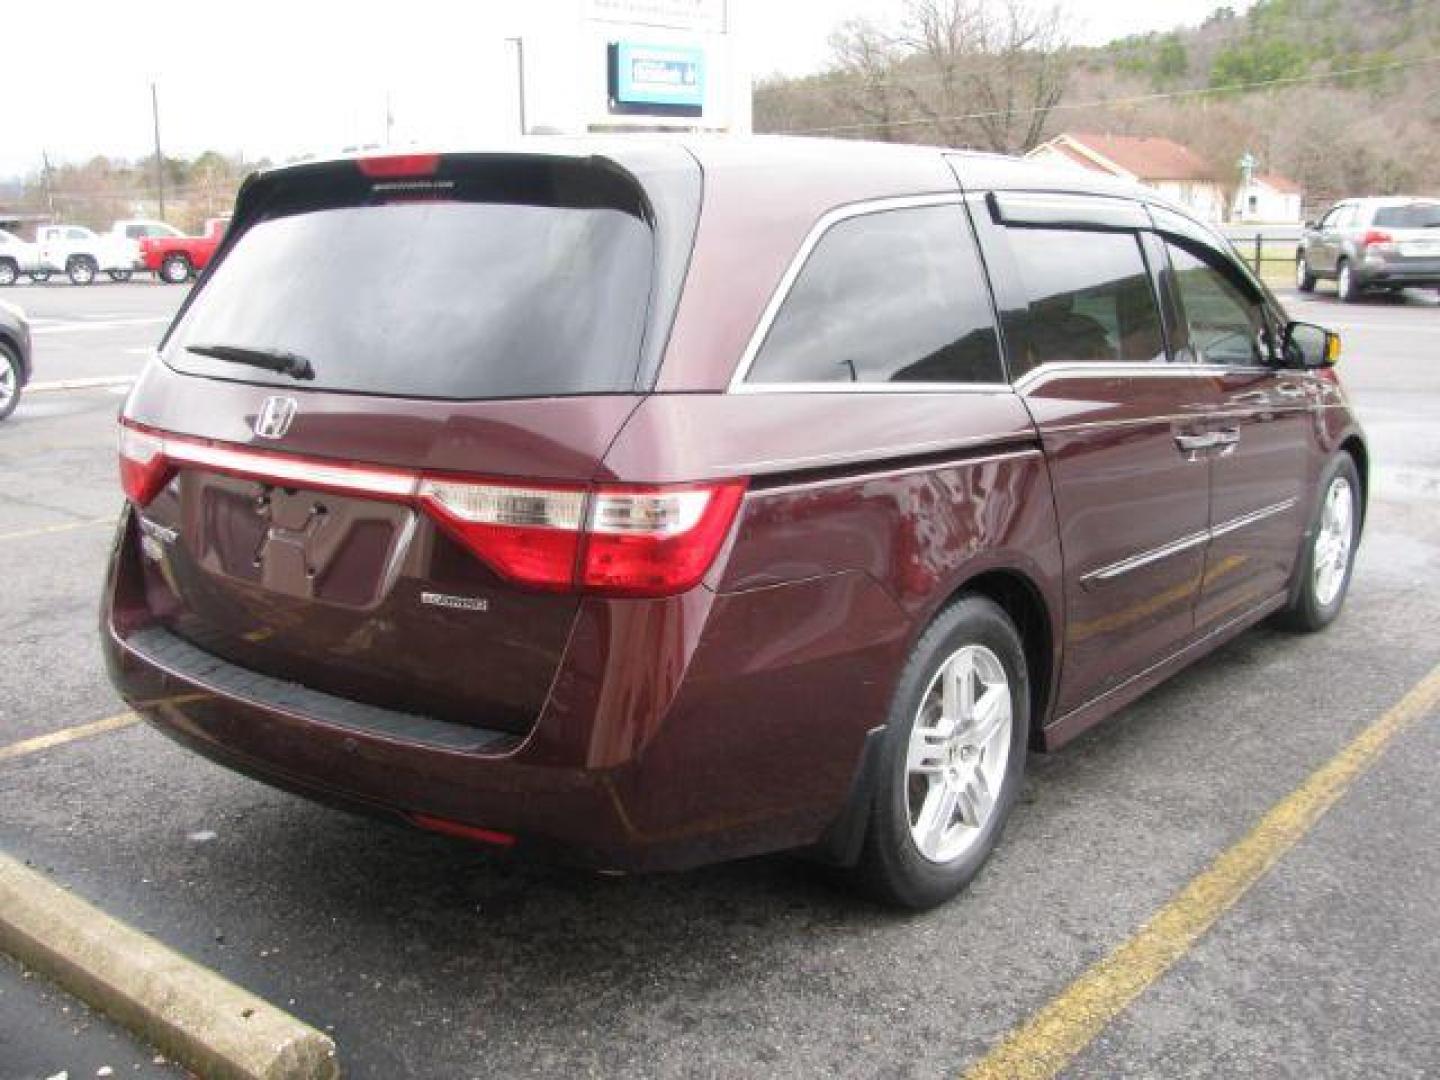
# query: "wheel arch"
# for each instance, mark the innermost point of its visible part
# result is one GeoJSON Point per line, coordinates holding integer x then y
{"type": "Point", "coordinates": [1355, 446]}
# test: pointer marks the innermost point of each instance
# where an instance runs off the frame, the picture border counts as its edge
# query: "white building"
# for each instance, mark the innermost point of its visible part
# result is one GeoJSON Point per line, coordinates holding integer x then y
{"type": "Point", "coordinates": [1172, 169]}
{"type": "Point", "coordinates": [607, 65]}
{"type": "Point", "coordinates": [1269, 199]}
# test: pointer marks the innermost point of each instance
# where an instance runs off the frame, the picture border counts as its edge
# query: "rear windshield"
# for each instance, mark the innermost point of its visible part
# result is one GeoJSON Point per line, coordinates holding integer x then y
{"type": "Point", "coordinates": [437, 299]}
{"type": "Point", "coordinates": [1416, 215]}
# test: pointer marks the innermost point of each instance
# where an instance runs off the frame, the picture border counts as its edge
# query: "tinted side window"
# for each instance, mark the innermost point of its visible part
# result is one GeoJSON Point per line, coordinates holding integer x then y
{"type": "Point", "coordinates": [1090, 299]}
{"type": "Point", "coordinates": [1222, 322]}
{"type": "Point", "coordinates": [893, 296]}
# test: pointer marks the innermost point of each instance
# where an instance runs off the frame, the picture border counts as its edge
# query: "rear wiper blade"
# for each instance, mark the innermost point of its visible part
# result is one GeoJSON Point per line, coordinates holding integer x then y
{"type": "Point", "coordinates": [286, 363]}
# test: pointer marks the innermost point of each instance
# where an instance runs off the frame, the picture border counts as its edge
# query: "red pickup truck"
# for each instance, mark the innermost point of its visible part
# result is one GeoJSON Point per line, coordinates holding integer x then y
{"type": "Point", "coordinates": [176, 259]}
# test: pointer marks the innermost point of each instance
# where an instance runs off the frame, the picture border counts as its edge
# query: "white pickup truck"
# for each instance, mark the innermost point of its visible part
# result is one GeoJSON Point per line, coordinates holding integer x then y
{"type": "Point", "coordinates": [18, 257]}
{"type": "Point", "coordinates": [81, 255]}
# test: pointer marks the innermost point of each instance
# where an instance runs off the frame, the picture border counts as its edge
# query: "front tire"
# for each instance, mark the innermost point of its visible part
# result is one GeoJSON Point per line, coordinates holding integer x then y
{"type": "Point", "coordinates": [81, 270]}
{"type": "Point", "coordinates": [175, 270]}
{"type": "Point", "coordinates": [9, 381]}
{"type": "Point", "coordinates": [1328, 556]}
{"type": "Point", "coordinates": [1346, 285]}
{"type": "Point", "coordinates": [9, 271]}
{"type": "Point", "coordinates": [1304, 279]}
{"type": "Point", "coordinates": [951, 760]}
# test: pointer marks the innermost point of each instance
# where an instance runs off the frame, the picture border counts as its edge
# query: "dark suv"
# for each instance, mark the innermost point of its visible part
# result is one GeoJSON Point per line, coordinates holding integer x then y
{"type": "Point", "coordinates": [1391, 243]}
{"type": "Point", "coordinates": [646, 504]}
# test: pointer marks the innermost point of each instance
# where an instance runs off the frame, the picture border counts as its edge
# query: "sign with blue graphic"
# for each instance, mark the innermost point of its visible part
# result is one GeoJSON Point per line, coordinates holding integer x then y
{"type": "Point", "coordinates": [669, 76]}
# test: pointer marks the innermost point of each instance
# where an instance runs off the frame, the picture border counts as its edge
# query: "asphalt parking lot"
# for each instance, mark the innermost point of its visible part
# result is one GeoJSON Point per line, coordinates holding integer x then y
{"type": "Point", "coordinates": [426, 958]}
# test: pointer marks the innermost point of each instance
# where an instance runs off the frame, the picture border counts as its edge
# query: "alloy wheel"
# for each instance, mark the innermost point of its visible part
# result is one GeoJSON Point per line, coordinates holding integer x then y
{"type": "Point", "coordinates": [9, 383]}
{"type": "Point", "coordinates": [958, 752]}
{"type": "Point", "coordinates": [1334, 540]}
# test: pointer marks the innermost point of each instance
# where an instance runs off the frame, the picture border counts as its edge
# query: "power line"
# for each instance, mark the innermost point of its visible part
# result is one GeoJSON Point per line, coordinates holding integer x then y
{"type": "Point", "coordinates": [1102, 103]}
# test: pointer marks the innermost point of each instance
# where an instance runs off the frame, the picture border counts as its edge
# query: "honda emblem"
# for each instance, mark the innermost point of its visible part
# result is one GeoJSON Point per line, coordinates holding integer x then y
{"type": "Point", "coordinates": [275, 416]}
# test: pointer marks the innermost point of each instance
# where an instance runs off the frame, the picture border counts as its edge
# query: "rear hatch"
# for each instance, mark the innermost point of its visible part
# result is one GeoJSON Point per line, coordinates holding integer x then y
{"type": "Point", "coordinates": [1408, 233]}
{"type": "Point", "coordinates": [364, 455]}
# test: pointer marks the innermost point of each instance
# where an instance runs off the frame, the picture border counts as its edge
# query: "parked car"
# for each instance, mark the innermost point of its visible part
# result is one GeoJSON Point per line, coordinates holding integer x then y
{"type": "Point", "coordinates": [80, 255]}
{"type": "Point", "coordinates": [139, 228]}
{"type": "Point", "coordinates": [655, 537]}
{"type": "Point", "coordinates": [1391, 243]}
{"type": "Point", "coordinates": [14, 357]}
{"type": "Point", "coordinates": [17, 258]}
{"type": "Point", "coordinates": [176, 259]}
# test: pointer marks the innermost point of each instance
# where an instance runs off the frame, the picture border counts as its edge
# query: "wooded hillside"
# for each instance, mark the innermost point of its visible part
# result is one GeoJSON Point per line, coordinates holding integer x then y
{"type": "Point", "coordinates": [1342, 97]}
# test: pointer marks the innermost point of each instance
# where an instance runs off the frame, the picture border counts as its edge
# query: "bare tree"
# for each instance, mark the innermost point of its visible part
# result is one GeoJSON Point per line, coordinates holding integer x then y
{"type": "Point", "coordinates": [866, 61]}
{"type": "Point", "coordinates": [995, 70]}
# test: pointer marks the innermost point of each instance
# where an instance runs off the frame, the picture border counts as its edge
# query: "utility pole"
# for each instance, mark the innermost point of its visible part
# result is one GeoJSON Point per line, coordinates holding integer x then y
{"type": "Point", "coordinates": [520, 76]}
{"type": "Point", "coordinates": [159, 159]}
{"type": "Point", "coordinates": [49, 191]}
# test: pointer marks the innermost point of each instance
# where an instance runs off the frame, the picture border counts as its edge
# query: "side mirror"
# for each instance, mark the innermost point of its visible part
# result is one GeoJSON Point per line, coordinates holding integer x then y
{"type": "Point", "coordinates": [1306, 345]}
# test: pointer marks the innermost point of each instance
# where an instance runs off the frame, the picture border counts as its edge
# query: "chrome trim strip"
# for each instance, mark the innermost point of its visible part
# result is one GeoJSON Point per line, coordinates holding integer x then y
{"type": "Point", "coordinates": [873, 388]}
{"type": "Point", "coordinates": [1144, 558]}
{"type": "Point", "coordinates": [1185, 543]}
{"type": "Point", "coordinates": [1251, 518]}
{"type": "Point", "coordinates": [787, 281]}
{"type": "Point", "coordinates": [1038, 376]}
{"type": "Point", "coordinates": [886, 474]}
{"type": "Point", "coordinates": [277, 467]}
{"type": "Point", "coordinates": [860, 457]}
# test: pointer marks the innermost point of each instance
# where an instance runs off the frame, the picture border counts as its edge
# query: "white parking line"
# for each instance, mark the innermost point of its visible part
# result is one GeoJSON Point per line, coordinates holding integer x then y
{"type": "Point", "coordinates": [98, 382]}
{"type": "Point", "coordinates": [72, 326]}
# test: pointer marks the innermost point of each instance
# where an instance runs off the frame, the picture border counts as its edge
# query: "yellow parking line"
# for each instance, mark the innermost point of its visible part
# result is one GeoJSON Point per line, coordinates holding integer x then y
{"type": "Point", "coordinates": [46, 530]}
{"type": "Point", "coordinates": [65, 735]}
{"type": "Point", "coordinates": [1049, 1040]}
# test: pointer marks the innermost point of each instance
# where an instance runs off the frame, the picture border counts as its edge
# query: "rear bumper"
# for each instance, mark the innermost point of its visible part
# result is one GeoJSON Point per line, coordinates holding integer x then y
{"type": "Point", "coordinates": [674, 734]}
{"type": "Point", "coordinates": [1423, 273]}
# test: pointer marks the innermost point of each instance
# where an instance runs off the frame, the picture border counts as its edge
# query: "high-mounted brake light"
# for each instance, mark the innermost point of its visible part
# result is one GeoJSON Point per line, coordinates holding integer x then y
{"type": "Point", "coordinates": [398, 166]}
{"type": "Point", "coordinates": [610, 539]}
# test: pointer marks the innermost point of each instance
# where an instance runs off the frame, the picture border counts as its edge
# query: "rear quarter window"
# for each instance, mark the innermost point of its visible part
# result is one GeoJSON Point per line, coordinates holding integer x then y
{"type": "Point", "coordinates": [894, 296]}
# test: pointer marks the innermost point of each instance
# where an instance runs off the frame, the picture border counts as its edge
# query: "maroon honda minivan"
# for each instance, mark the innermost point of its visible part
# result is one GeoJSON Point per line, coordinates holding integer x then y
{"type": "Point", "coordinates": [647, 503]}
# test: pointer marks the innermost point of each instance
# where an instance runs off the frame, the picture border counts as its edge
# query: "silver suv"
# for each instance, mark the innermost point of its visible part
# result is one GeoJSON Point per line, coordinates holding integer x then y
{"type": "Point", "coordinates": [1391, 243]}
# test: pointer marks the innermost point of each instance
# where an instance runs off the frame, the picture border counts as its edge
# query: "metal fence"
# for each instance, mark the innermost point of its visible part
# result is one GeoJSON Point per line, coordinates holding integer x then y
{"type": "Point", "coordinates": [1269, 249]}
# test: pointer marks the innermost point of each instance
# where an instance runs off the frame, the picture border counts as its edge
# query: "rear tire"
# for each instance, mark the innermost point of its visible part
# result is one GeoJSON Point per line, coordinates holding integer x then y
{"type": "Point", "coordinates": [1346, 287]}
{"type": "Point", "coordinates": [1304, 279]}
{"type": "Point", "coordinates": [9, 381]}
{"type": "Point", "coordinates": [9, 271]}
{"type": "Point", "coordinates": [950, 764]}
{"type": "Point", "coordinates": [175, 270]}
{"type": "Point", "coordinates": [81, 270]}
{"type": "Point", "coordinates": [1327, 558]}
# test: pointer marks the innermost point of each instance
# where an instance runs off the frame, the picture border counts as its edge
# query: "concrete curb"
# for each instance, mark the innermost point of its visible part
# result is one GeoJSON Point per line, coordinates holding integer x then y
{"type": "Point", "coordinates": [199, 1019]}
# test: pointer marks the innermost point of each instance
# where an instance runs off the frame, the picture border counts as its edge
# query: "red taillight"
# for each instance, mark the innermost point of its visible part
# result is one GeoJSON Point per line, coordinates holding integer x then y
{"type": "Point", "coordinates": [461, 831]}
{"type": "Point", "coordinates": [656, 541]}
{"type": "Point", "coordinates": [611, 539]}
{"type": "Point", "coordinates": [619, 541]}
{"type": "Point", "coordinates": [528, 534]}
{"type": "Point", "coordinates": [1375, 237]}
{"type": "Point", "coordinates": [398, 166]}
{"type": "Point", "coordinates": [144, 468]}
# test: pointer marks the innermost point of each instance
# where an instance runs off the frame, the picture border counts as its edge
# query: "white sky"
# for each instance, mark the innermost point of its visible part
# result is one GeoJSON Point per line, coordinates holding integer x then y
{"type": "Point", "coordinates": [284, 77]}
